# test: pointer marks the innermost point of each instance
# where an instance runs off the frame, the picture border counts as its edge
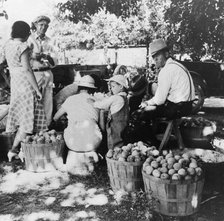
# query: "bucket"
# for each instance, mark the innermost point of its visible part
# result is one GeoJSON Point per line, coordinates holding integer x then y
{"type": "Point", "coordinates": [125, 176]}
{"type": "Point", "coordinates": [6, 141]}
{"type": "Point", "coordinates": [174, 197]}
{"type": "Point", "coordinates": [194, 137]}
{"type": "Point", "coordinates": [213, 167]}
{"type": "Point", "coordinates": [43, 157]}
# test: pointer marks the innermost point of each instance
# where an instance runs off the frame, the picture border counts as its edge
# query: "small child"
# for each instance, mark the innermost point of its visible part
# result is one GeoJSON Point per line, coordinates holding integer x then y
{"type": "Point", "coordinates": [118, 110]}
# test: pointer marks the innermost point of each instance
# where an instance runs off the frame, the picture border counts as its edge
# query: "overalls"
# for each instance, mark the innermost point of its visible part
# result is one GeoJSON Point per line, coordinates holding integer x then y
{"type": "Point", "coordinates": [116, 124]}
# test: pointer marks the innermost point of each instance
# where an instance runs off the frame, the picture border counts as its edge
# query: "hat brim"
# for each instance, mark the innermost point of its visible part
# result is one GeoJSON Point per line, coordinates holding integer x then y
{"type": "Point", "coordinates": [156, 52]}
{"type": "Point", "coordinates": [112, 80]}
{"type": "Point", "coordinates": [42, 18]}
{"type": "Point", "coordinates": [86, 85]}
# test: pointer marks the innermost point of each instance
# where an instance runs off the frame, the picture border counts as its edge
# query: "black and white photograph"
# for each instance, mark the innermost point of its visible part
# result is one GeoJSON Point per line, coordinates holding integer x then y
{"type": "Point", "coordinates": [111, 110]}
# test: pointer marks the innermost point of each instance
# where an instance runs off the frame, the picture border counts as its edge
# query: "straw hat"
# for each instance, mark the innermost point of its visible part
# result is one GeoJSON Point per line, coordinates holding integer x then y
{"type": "Point", "coordinates": [42, 17]}
{"type": "Point", "coordinates": [157, 45]}
{"type": "Point", "coordinates": [120, 79]}
{"type": "Point", "coordinates": [87, 81]}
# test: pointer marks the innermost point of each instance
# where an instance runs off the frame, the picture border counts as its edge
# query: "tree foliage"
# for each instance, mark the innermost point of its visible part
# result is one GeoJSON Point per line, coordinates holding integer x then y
{"type": "Point", "coordinates": [111, 27]}
{"type": "Point", "coordinates": [197, 26]}
{"type": "Point", "coordinates": [111, 23]}
{"type": "Point", "coordinates": [79, 10]}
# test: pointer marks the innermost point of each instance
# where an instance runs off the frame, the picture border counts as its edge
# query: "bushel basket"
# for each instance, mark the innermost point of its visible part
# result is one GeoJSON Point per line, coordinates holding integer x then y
{"type": "Point", "coordinates": [43, 157]}
{"type": "Point", "coordinates": [125, 176]}
{"type": "Point", "coordinates": [174, 197]}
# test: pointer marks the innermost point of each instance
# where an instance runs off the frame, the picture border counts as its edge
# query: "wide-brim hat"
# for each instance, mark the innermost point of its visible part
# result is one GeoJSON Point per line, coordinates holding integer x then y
{"type": "Point", "coordinates": [86, 81]}
{"type": "Point", "coordinates": [138, 85]}
{"type": "Point", "coordinates": [120, 79]}
{"type": "Point", "coordinates": [156, 46]}
{"type": "Point", "coordinates": [41, 18]}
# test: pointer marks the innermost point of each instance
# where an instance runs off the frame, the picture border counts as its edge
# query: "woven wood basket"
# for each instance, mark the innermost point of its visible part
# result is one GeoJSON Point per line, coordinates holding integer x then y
{"type": "Point", "coordinates": [125, 176]}
{"type": "Point", "coordinates": [174, 197]}
{"type": "Point", "coordinates": [43, 157]}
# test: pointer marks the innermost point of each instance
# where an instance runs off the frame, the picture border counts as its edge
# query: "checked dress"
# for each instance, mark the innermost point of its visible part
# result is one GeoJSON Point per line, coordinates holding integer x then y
{"type": "Point", "coordinates": [25, 111]}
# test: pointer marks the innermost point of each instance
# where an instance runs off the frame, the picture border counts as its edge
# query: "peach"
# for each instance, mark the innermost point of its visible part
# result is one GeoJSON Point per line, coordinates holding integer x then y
{"type": "Point", "coordinates": [156, 173]}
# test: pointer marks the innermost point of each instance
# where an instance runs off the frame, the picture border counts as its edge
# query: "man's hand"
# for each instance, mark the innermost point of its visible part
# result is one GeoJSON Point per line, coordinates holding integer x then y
{"type": "Point", "coordinates": [143, 105]}
{"type": "Point", "coordinates": [150, 108]}
{"type": "Point", "coordinates": [147, 105]}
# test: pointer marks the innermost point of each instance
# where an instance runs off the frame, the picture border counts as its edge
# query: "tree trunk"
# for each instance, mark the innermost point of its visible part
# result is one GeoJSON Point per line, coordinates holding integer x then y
{"type": "Point", "coordinates": [147, 53]}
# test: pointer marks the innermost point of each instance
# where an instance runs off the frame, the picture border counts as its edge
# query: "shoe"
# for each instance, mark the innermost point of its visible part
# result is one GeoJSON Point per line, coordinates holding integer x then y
{"type": "Point", "coordinates": [21, 156]}
{"type": "Point", "coordinates": [11, 155]}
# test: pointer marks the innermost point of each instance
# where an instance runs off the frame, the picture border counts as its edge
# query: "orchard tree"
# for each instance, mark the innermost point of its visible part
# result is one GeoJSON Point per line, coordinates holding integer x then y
{"type": "Point", "coordinates": [198, 27]}
{"type": "Point", "coordinates": [137, 22]}
{"type": "Point", "coordinates": [148, 24]}
{"type": "Point", "coordinates": [79, 10]}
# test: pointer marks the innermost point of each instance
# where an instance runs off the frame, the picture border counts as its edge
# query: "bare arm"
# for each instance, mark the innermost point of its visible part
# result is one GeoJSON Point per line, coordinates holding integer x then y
{"type": "Point", "coordinates": [59, 113]}
{"type": "Point", "coordinates": [31, 78]}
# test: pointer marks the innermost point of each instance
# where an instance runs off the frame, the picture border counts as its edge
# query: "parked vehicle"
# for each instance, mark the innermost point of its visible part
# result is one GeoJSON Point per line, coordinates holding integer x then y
{"type": "Point", "coordinates": [208, 77]}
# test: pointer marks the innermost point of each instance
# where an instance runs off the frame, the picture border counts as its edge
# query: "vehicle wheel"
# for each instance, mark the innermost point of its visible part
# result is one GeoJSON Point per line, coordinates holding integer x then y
{"type": "Point", "coordinates": [199, 98]}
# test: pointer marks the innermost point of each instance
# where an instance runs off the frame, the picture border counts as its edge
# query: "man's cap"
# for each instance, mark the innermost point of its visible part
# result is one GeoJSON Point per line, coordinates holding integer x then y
{"type": "Point", "coordinates": [41, 18]}
{"type": "Point", "coordinates": [156, 46]}
{"type": "Point", "coordinates": [86, 81]}
{"type": "Point", "coordinates": [120, 79]}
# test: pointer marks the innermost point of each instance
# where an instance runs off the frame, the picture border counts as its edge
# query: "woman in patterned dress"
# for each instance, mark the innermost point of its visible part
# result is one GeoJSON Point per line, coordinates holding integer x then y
{"type": "Point", "coordinates": [26, 114]}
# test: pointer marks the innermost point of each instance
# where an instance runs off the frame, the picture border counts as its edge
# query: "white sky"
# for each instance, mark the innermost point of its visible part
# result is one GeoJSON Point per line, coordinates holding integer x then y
{"type": "Point", "coordinates": [25, 10]}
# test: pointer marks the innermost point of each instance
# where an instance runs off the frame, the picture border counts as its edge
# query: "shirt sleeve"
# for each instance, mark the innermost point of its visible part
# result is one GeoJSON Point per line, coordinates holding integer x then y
{"type": "Point", "coordinates": [164, 85]}
{"type": "Point", "coordinates": [66, 104]}
{"type": "Point", "coordinates": [104, 104]}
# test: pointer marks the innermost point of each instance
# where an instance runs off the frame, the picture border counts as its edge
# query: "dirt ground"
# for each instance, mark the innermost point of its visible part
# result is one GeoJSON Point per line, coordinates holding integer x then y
{"type": "Point", "coordinates": [58, 196]}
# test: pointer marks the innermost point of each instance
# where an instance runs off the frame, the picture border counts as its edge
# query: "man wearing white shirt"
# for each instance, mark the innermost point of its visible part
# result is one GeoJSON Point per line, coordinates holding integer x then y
{"type": "Point", "coordinates": [175, 92]}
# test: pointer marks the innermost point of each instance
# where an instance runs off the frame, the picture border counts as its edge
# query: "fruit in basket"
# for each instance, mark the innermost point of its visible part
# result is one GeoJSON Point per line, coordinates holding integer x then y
{"type": "Point", "coordinates": [165, 152]}
{"type": "Point", "coordinates": [109, 153]}
{"type": "Point", "coordinates": [191, 171]}
{"type": "Point", "coordinates": [193, 165]}
{"type": "Point", "coordinates": [163, 170]}
{"type": "Point", "coordinates": [175, 176]}
{"type": "Point", "coordinates": [164, 176]}
{"type": "Point", "coordinates": [174, 167]}
{"type": "Point", "coordinates": [132, 152]}
{"type": "Point", "coordinates": [182, 172]}
{"type": "Point", "coordinates": [198, 171]}
{"type": "Point", "coordinates": [196, 122]}
{"type": "Point", "coordinates": [177, 166]}
{"type": "Point", "coordinates": [154, 164]}
{"type": "Point", "coordinates": [43, 137]}
{"type": "Point", "coordinates": [171, 172]}
{"type": "Point", "coordinates": [148, 169]}
{"type": "Point", "coordinates": [156, 173]}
